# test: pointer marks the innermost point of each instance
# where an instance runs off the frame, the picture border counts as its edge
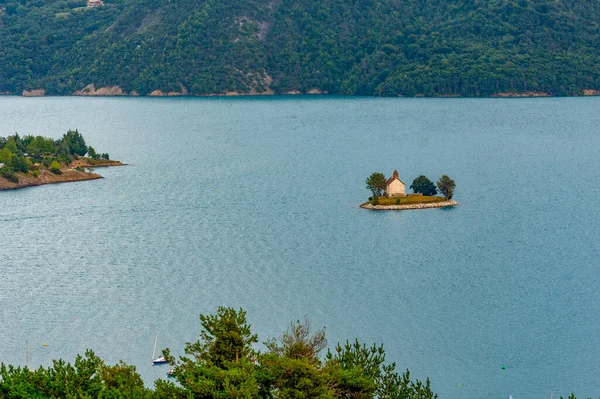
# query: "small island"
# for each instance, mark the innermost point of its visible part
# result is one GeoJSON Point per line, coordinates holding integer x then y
{"type": "Point", "coordinates": [35, 160]}
{"type": "Point", "coordinates": [391, 194]}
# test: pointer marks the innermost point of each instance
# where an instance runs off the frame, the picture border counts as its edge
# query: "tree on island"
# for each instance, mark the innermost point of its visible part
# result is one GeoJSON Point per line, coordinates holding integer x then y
{"type": "Point", "coordinates": [423, 185]}
{"type": "Point", "coordinates": [75, 142]}
{"type": "Point", "coordinates": [38, 146]}
{"type": "Point", "coordinates": [11, 145]}
{"type": "Point", "coordinates": [63, 148]}
{"type": "Point", "coordinates": [20, 164]}
{"type": "Point", "coordinates": [446, 186]}
{"type": "Point", "coordinates": [6, 156]}
{"type": "Point", "coordinates": [91, 152]}
{"type": "Point", "coordinates": [376, 183]}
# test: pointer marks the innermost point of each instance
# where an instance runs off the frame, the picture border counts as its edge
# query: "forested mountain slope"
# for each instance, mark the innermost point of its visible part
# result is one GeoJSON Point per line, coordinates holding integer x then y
{"type": "Point", "coordinates": [367, 47]}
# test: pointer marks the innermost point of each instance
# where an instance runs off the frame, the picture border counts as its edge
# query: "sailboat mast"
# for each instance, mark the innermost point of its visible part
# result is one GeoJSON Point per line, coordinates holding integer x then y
{"type": "Point", "coordinates": [155, 343]}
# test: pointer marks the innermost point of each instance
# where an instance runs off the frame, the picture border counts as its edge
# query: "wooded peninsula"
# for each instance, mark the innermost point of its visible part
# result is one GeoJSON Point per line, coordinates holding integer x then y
{"type": "Point", "coordinates": [350, 47]}
{"type": "Point", "coordinates": [35, 160]}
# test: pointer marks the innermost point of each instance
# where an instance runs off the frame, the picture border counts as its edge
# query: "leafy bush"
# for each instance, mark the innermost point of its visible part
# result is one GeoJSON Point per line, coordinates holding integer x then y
{"type": "Point", "coordinates": [64, 159]}
{"type": "Point", "coordinates": [397, 201]}
{"type": "Point", "coordinates": [36, 173]}
{"type": "Point", "coordinates": [9, 174]}
{"type": "Point", "coordinates": [55, 168]}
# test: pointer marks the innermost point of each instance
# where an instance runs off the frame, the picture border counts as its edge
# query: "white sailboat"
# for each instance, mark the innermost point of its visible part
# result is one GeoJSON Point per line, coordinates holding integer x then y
{"type": "Point", "coordinates": [160, 359]}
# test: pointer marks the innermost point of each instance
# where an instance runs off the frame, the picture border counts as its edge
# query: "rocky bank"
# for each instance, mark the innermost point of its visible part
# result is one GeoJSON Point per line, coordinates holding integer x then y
{"type": "Point", "coordinates": [68, 174]}
{"type": "Point", "coordinates": [441, 204]}
{"type": "Point", "coordinates": [47, 177]}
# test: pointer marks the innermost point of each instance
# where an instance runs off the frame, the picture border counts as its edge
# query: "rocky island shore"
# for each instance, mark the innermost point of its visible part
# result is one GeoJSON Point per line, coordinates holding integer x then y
{"type": "Point", "coordinates": [439, 204]}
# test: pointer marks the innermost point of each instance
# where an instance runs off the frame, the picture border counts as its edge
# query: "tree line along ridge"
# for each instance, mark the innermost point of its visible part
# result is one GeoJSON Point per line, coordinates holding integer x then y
{"type": "Point", "coordinates": [353, 47]}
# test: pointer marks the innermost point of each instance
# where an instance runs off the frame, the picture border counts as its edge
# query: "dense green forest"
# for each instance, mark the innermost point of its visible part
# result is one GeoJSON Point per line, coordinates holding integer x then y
{"type": "Point", "coordinates": [223, 364]}
{"type": "Point", "coordinates": [355, 47]}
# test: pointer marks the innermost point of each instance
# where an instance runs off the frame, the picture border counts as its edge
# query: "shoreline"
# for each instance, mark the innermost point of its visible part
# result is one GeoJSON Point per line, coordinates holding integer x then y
{"type": "Point", "coordinates": [116, 91]}
{"type": "Point", "coordinates": [95, 163]}
{"type": "Point", "coordinates": [441, 204]}
{"type": "Point", "coordinates": [47, 177]}
{"type": "Point", "coordinates": [68, 175]}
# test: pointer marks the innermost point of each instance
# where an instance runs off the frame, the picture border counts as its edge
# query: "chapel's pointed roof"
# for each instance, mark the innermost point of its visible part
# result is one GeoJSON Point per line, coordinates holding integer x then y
{"type": "Point", "coordinates": [394, 177]}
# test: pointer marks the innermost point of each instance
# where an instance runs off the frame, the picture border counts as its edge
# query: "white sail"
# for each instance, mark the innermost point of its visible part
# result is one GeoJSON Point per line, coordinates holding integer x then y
{"type": "Point", "coordinates": [155, 343]}
{"type": "Point", "coordinates": [160, 359]}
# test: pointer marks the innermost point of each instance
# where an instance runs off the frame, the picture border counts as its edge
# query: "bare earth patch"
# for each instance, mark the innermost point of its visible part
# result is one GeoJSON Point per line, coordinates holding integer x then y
{"type": "Point", "coordinates": [94, 163]}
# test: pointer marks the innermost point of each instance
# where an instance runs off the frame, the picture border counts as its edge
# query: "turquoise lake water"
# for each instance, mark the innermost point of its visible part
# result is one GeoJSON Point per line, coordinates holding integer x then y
{"type": "Point", "coordinates": [253, 203]}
